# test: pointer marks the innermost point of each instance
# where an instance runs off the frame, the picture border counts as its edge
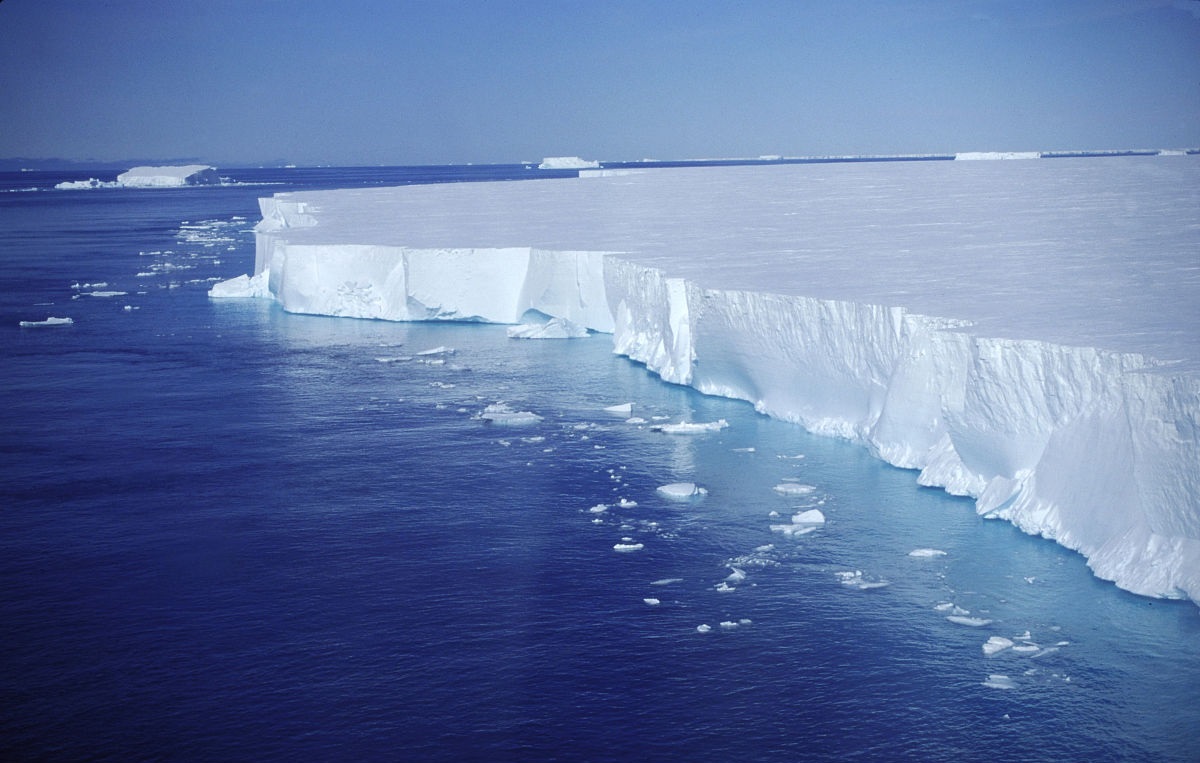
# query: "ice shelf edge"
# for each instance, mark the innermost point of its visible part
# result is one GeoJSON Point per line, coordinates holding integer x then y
{"type": "Point", "coordinates": [1099, 451]}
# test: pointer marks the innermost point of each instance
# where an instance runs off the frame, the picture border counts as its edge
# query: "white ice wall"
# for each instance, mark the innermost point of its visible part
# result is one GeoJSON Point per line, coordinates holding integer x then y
{"type": "Point", "coordinates": [1098, 450]}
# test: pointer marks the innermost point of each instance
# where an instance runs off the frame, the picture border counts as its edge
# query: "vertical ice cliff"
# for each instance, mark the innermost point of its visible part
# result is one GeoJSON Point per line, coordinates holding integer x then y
{"type": "Point", "coordinates": [1096, 449]}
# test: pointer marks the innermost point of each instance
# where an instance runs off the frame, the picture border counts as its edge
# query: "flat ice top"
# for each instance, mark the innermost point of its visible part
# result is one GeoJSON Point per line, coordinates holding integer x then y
{"type": "Point", "coordinates": [1100, 252]}
{"type": "Point", "coordinates": [167, 171]}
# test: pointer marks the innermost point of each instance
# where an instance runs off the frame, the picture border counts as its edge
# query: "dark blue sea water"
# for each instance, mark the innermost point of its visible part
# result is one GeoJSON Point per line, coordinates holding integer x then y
{"type": "Point", "coordinates": [230, 533]}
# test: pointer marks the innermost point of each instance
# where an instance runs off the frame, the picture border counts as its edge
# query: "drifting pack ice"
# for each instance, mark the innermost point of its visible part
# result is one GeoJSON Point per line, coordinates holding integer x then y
{"type": "Point", "coordinates": [1020, 332]}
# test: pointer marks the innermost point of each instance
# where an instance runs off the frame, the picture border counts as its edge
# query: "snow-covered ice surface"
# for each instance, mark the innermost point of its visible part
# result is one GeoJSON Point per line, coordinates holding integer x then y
{"type": "Point", "coordinates": [1021, 332]}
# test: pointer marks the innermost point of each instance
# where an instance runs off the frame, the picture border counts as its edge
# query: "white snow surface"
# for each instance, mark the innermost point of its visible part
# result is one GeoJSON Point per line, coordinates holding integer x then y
{"type": "Point", "coordinates": [1021, 332]}
{"type": "Point", "coordinates": [169, 177]}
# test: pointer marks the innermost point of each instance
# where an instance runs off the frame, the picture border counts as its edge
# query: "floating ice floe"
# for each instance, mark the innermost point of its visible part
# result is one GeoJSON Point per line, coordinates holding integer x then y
{"type": "Point", "coordinates": [441, 350]}
{"type": "Point", "coordinates": [703, 628]}
{"type": "Point", "coordinates": [599, 508]}
{"type": "Point", "coordinates": [736, 575]}
{"type": "Point", "coordinates": [667, 581]}
{"type": "Point", "coordinates": [999, 681]}
{"type": "Point", "coordinates": [626, 504]}
{"type": "Point", "coordinates": [651, 602]}
{"type": "Point", "coordinates": [856, 579]}
{"type": "Point", "coordinates": [970, 622]}
{"type": "Point", "coordinates": [624, 409]}
{"type": "Point", "coordinates": [996, 644]}
{"type": "Point", "coordinates": [635, 420]}
{"type": "Point", "coordinates": [555, 328]}
{"type": "Point", "coordinates": [51, 321]}
{"type": "Point", "coordinates": [793, 489]}
{"type": "Point", "coordinates": [744, 450]}
{"type": "Point", "coordinates": [686, 428]}
{"type": "Point", "coordinates": [501, 414]}
{"type": "Point", "coordinates": [926, 553]}
{"type": "Point", "coordinates": [802, 523]}
{"type": "Point", "coordinates": [723, 587]}
{"type": "Point", "coordinates": [681, 491]}
{"type": "Point", "coordinates": [625, 548]}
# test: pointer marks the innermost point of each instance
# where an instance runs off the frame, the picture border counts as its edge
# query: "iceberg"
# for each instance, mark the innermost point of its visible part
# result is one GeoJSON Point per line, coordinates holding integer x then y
{"type": "Point", "coordinates": [51, 321]}
{"type": "Point", "coordinates": [169, 177]}
{"type": "Point", "coordinates": [1021, 333]}
{"type": "Point", "coordinates": [567, 163]}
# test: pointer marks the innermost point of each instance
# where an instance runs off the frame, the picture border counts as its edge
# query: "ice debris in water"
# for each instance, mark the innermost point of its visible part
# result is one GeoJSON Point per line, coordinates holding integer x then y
{"type": "Point", "coordinates": [51, 321]}
{"type": "Point", "coordinates": [999, 681]}
{"type": "Point", "coordinates": [555, 328]}
{"type": "Point", "coordinates": [667, 581]}
{"type": "Point", "coordinates": [599, 508]}
{"type": "Point", "coordinates": [926, 553]}
{"type": "Point", "coordinates": [626, 504]}
{"type": "Point", "coordinates": [856, 579]}
{"type": "Point", "coordinates": [681, 491]}
{"type": "Point", "coordinates": [690, 428]}
{"type": "Point", "coordinates": [441, 350]}
{"type": "Point", "coordinates": [803, 523]}
{"type": "Point", "coordinates": [624, 409]}
{"type": "Point", "coordinates": [624, 548]}
{"type": "Point", "coordinates": [996, 644]}
{"type": "Point", "coordinates": [501, 414]}
{"type": "Point", "coordinates": [651, 602]}
{"type": "Point", "coordinates": [793, 489]}
{"type": "Point", "coordinates": [703, 628]}
{"type": "Point", "coordinates": [970, 622]}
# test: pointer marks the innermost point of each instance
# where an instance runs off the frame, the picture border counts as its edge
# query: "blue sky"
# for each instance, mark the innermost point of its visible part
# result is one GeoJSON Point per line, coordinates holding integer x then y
{"type": "Point", "coordinates": [443, 81]}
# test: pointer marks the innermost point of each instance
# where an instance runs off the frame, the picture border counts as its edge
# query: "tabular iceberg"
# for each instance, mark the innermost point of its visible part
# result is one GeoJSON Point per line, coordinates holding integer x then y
{"type": "Point", "coordinates": [169, 177]}
{"type": "Point", "coordinates": [1019, 332]}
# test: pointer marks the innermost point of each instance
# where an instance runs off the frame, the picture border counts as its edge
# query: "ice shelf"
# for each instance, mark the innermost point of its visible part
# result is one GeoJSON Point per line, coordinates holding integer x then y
{"type": "Point", "coordinates": [1021, 332]}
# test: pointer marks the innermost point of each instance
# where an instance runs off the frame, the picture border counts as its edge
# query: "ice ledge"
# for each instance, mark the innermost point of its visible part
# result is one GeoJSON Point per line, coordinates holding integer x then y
{"type": "Point", "coordinates": [1096, 450]}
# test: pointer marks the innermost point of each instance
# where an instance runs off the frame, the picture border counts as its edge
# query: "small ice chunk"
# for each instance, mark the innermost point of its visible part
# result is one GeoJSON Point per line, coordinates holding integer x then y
{"type": "Point", "coordinates": [650, 602]}
{"type": "Point", "coordinates": [1026, 648]}
{"type": "Point", "coordinates": [555, 328]}
{"type": "Point", "coordinates": [106, 293]}
{"type": "Point", "coordinates": [667, 581]}
{"type": "Point", "coordinates": [681, 491]}
{"type": "Point", "coordinates": [999, 681]}
{"type": "Point", "coordinates": [624, 409]}
{"type": "Point", "coordinates": [440, 350]}
{"type": "Point", "coordinates": [926, 553]}
{"type": "Point", "coordinates": [736, 575]}
{"type": "Point", "coordinates": [728, 625]}
{"type": "Point", "coordinates": [625, 503]}
{"type": "Point", "coordinates": [996, 644]}
{"type": "Point", "coordinates": [943, 606]}
{"type": "Point", "coordinates": [703, 628]}
{"type": "Point", "coordinates": [635, 420]}
{"type": "Point", "coordinates": [793, 489]}
{"type": "Point", "coordinates": [688, 428]}
{"type": "Point", "coordinates": [793, 530]}
{"type": "Point", "coordinates": [856, 579]}
{"type": "Point", "coordinates": [723, 587]}
{"type": "Point", "coordinates": [502, 415]}
{"type": "Point", "coordinates": [810, 517]}
{"type": "Point", "coordinates": [970, 622]}
{"type": "Point", "coordinates": [743, 450]}
{"type": "Point", "coordinates": [625, 548]}
{"type": "Point", "coordinates": [599, 508]}
{"type": "Point", "coordinates": [51, 321]}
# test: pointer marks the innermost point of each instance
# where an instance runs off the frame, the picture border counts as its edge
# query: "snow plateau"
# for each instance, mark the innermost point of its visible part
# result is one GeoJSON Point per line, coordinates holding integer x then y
{"type": "Point", "coordinates": [1021, 332]}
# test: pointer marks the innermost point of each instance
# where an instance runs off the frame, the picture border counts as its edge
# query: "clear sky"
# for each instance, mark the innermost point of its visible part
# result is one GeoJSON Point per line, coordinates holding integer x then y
{"type": "Point", "coordinates": [244, 82]}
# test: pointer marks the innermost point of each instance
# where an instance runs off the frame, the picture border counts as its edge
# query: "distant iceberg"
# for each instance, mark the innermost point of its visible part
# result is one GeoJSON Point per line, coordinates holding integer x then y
{"type": "Point", "coordinates": [150, 177]}
{"type": "Point", "coordinates": [976, 332]}
{"type": "Point", "coordinates": [567, 163]}
{"type": "Point", "coordinates": [169, 177]}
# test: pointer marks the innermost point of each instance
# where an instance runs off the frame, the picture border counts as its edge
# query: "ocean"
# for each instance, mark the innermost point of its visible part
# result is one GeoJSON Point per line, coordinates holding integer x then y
{"type": "Point", "coordinates": [232, 533]}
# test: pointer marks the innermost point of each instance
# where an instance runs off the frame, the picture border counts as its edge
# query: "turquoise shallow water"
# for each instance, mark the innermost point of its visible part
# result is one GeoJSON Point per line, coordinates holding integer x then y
{"type": "Point", "coordinates": [233, 533]}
